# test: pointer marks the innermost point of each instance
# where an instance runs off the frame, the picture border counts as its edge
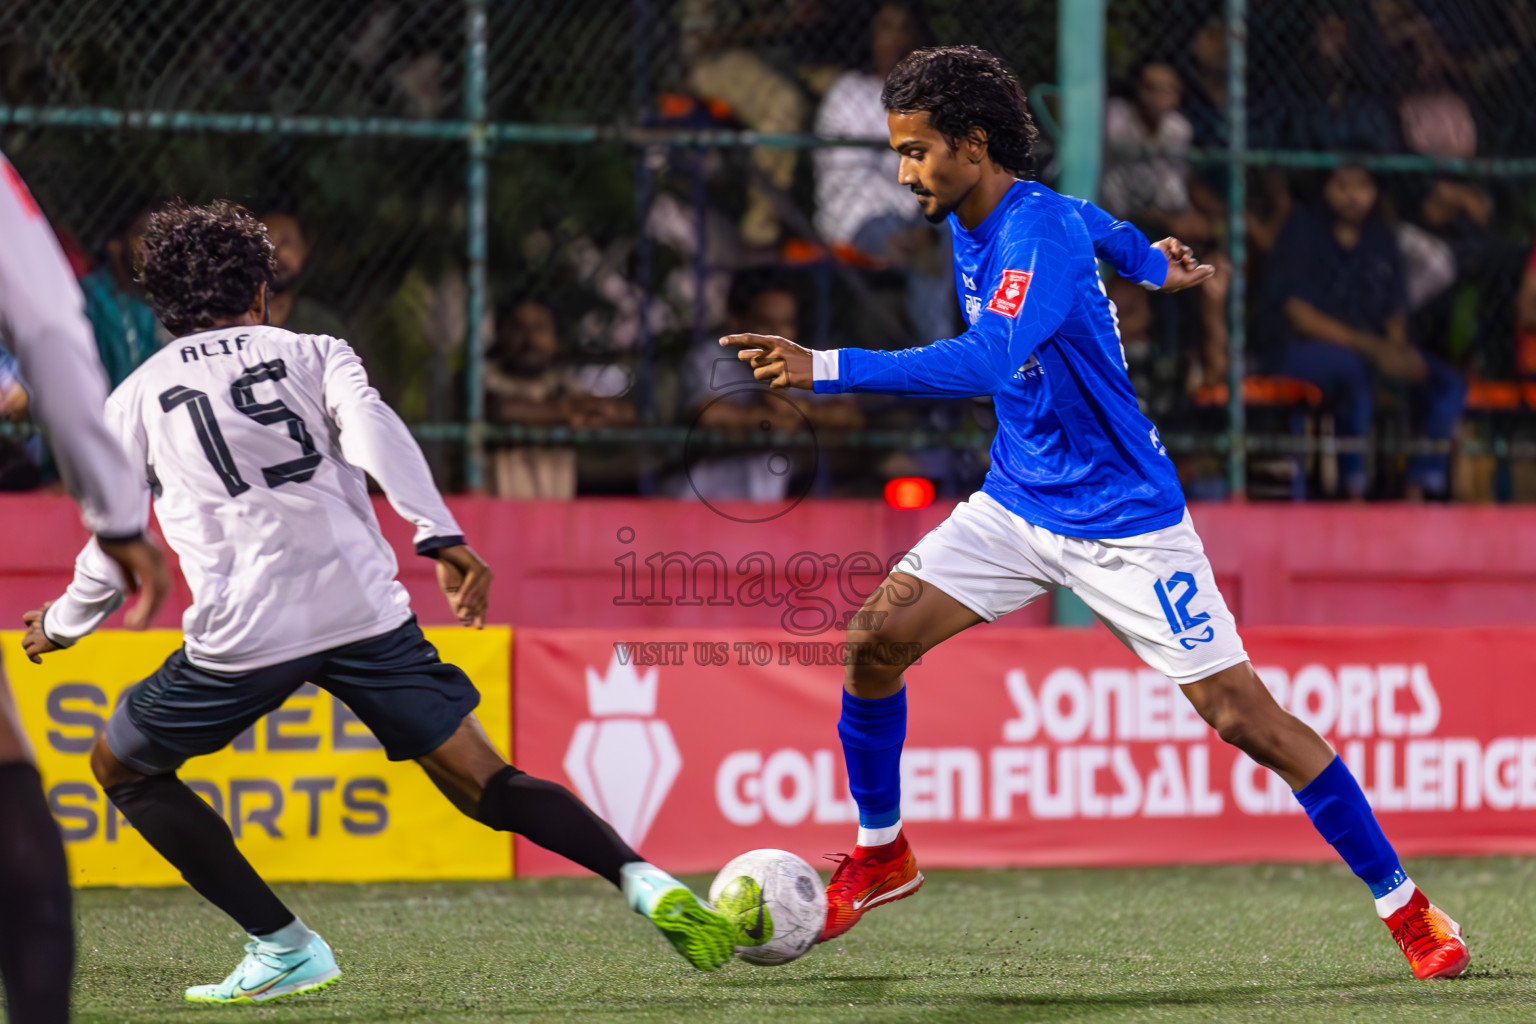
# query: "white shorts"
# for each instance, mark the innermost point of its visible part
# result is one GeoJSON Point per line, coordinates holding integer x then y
{"type": "Point", "coordinates": [1154, 591]}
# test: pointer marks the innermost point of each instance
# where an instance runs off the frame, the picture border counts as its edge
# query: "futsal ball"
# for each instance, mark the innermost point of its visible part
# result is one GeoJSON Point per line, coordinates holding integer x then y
{"type": "Point", "coordinates": [777, 902]}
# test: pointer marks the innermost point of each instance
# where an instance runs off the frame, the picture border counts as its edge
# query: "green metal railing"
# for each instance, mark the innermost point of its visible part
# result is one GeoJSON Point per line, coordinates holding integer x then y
{"type": "Point", "coordinates": [1081, 69]}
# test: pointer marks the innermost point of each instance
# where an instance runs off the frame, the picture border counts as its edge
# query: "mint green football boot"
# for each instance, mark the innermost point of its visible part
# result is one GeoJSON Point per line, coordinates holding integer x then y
{"type": "Point", "coordinates": [705, 938]}
{"type": "Point", "coordinates": [265, 975]}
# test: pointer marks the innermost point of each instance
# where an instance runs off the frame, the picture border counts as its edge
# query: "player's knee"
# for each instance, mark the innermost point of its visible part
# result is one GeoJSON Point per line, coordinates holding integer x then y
{"type": "Point", "coordinates": [1236, 704]}
{"type": "Point", "coordinates": [1251, 726]}
{"type": "Point", "coordinates": [1234, 728]}
{"type": "Point", "coordinates": [870, 680]}
{"type": "Point", "coordinates": [875, 662]}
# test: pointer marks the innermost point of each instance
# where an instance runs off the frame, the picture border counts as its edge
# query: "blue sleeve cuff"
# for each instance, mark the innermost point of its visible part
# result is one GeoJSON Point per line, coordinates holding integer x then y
{"type": "Point", "coordinates": [1154, 268]}
{"type": "Point", "coordinates": [432, 545]}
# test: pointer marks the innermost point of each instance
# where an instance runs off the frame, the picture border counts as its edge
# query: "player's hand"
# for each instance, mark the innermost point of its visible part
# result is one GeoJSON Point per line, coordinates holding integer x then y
{"type": "Point", "coordinates": [146, 574]}
{"type": "Point", "coordinates": [779, 361]}
{"type": "Point", "coordinates": [1184, 270]}
{"type": "Point", "coordinates": [35, 642]}
{"type": "Point", "coordinates": [1400, 361]}
{"type": "Point", "coordinates": [465, 580]}
{"type": "Point", "coordinates": [14, 401]}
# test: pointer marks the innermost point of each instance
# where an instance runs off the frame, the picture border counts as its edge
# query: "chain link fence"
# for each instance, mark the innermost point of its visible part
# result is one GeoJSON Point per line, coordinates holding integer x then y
{"type": "Point", "coordinates": [588, 191]}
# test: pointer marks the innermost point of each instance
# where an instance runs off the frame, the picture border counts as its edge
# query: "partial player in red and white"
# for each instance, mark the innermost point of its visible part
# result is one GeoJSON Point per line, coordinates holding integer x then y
{"type": "Point", "coordinates": [254, 443]}
{"type": "Point", "coordinates": [42, 321]}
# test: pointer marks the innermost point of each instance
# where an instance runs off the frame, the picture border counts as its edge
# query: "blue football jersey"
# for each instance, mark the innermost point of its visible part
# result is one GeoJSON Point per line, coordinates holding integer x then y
{"type": "Point", "coordinates": [1073, 452]}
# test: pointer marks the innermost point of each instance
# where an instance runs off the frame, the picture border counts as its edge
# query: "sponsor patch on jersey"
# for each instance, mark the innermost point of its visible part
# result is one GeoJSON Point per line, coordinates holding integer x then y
{"type": "Point", "coordinates": [1009, 297]}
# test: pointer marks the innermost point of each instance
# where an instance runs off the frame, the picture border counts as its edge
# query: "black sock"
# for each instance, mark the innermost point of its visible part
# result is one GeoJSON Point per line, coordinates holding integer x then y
{"type": "Point", "coordinates": [186, 831]}
{"type": "Point", "coordinates": [37, 931]}
{"type": "Point", "coordinates": [547, 813]}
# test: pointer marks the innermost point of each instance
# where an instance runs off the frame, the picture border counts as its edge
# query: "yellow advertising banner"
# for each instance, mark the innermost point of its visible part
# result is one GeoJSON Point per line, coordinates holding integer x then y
{"type": "Point", "coordinates": [307, 790]}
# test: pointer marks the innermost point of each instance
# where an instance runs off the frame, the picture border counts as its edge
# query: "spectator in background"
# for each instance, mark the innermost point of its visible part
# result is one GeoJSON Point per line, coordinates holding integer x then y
{"type": "Point", "coordinates": [1338, 289]}
{"type": "Point", "coordinates": [1466, 269]}
{"type": "Point", "coordinates": [1203, 64]}
{"type": "Point", "coordinates": [716, 36]}
{"type": "Point", "coordinates": [1342, 85]}
{"type": "Point", "coordinates": [859, 203]}
{"type": "Point", "coordinates": [127, 332]}
{"type": "Point", "coordinates": [21, 458]}
{"type": "Point", "coordinates": [1146, 163]}
{"type": "Point", "coordinates": [1147, 179]}
{"type": "Point", "coordinates": [1204, 67]}
{"type": "Point", "coordinates": [1525, 320]}
{"type": "Point", "coordinates": [723, 395]}
{"type": "Point", "coordinates": [1434, 118]}
{"type": "Point", "coordinates": [287, 306]}
{"type": "Point", "coordinates": [526, 383]}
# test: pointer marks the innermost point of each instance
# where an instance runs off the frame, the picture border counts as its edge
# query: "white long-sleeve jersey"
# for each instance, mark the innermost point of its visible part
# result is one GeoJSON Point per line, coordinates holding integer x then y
{"type": "Point", "coordinates": [42, 321]}
{"type": "Point", "coordinates": [254, 442]}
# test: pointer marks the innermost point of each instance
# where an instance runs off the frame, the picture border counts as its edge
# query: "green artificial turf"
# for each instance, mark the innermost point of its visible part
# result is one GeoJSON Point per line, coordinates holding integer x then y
{"type": "Point", "coordinates": [1257, 943]}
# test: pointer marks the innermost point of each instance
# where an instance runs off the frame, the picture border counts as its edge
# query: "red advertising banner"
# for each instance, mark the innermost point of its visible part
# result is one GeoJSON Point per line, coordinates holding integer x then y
{"type": "Point", "coordinates": [1025, 746]}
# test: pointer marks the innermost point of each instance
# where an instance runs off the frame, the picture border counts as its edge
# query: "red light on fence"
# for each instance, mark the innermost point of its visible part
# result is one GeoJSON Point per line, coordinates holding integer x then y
{"type": "Point", "coordinates": [909, 492]}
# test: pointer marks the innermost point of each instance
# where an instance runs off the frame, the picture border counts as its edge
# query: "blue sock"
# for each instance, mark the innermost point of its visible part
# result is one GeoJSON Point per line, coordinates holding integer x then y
{"type": "Point", "coordinates": [1338, 808]}
{"type": "Point", "coordinates": [872, 732]}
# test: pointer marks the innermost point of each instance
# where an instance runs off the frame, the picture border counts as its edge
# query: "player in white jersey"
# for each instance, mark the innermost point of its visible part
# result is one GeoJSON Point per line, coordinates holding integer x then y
{"type": "Point", "coordinates": [42, 321]}
{"type": "Point", "coordinates": [254, 442]}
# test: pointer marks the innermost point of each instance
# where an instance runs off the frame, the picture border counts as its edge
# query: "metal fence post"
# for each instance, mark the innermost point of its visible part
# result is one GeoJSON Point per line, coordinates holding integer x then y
{"type": "Point", "coordinates": [1080, 54]}
{"type": "Point", "coordinates": [1237, 297]}
{"type": "Point", "coordinates": [1080, 27]}
{"type": "Point", "coordinates": [475, 232]}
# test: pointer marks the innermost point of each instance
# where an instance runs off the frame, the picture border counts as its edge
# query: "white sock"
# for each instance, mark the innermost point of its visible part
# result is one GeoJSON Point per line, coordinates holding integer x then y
{"type": "Point", "coordinates": [878, 836]}
{"type": "Point", "coordinates": [1395, 900]}
{"type": "Point", "coordinates": [288, 939]}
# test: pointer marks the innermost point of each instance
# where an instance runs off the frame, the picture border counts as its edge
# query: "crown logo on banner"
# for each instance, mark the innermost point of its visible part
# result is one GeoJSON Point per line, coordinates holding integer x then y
{"type": "Point", "coordinates": [622, 760]}
{"type": "Point", "coordinates": [622, 691]}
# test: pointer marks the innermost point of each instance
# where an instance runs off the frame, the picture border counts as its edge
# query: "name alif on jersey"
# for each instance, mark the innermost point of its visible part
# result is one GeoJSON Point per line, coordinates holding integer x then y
{"type": "Point", "coordinates": [214, 347]}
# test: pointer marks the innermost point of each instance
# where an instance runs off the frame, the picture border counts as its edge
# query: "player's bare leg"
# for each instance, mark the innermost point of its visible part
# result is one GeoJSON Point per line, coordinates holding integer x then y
{"type": "Point", "coordinates": [1237, 704]}
{"type": "Point", "coordinates": [37, 932]}
{"type": "Point", "coordinates": [902, 619]}
{"type": "Point", "coordinates": [480, 783]}
{"type": "Point", "coordinates": [284, 957]}
{"type": "Point", "coordinates": [1243, 712]}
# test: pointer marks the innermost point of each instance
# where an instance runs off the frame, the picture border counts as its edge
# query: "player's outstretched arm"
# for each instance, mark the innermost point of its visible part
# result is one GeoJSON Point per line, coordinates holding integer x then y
{"type": "Point", "coordinates": [1123, 246]}
{"type": "Point", "coordinates": [1026, 309]}
{"type": "Point", "coordinates": [97, 590]}
{"type": "Point", "coordinates": [42, 320]}
{"type": "Point", "coordinates": [1168, 266]}
{"type": "Point", "coordinates": [376, 440]}
{"type": "Point", "coordinates": [1184, 269]}
{"type": "Point", "coordinates": [779, 361]}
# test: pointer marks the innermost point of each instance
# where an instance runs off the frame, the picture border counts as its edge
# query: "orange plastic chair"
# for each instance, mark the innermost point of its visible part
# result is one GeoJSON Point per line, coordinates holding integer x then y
{"type": "Point", "coordinates": [1496, 395]}
{"type": "Point", "coordinates": [1264, 392]}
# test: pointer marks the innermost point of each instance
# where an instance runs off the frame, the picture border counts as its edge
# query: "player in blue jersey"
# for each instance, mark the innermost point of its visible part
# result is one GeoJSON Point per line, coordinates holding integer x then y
{"type": "Point", "coordinates": [1081, 493]}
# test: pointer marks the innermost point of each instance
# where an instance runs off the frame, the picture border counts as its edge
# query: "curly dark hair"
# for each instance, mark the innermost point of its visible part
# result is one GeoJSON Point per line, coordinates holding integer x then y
{"type": "Point", "coordinates": [201, 264]}
{"type": "Point", "coordinates": [963, 88]}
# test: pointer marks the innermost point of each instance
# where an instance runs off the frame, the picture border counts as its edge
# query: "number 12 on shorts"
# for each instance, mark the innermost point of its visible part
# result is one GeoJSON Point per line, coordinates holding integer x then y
{"type": "Point", "coordinates": [1176, 608]}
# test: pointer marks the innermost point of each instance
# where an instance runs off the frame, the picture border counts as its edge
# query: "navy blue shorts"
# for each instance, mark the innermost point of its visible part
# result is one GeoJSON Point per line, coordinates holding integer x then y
{"type": "Point", "coordinates": [395, 683]}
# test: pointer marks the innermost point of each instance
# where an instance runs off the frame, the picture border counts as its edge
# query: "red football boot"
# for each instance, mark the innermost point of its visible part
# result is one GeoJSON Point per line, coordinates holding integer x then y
{"type": "Point", "coordinates": [872, 876]}
{"type": "Point", "coordinates": [1429, 939]}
